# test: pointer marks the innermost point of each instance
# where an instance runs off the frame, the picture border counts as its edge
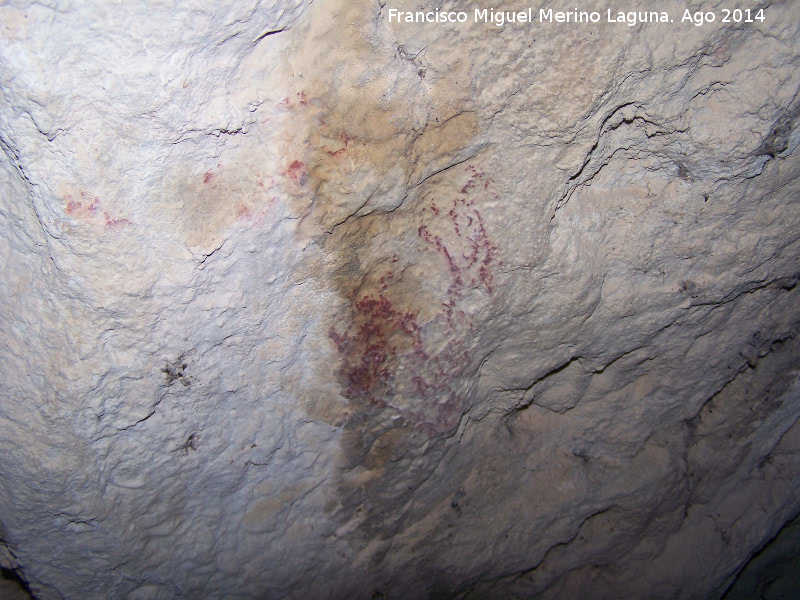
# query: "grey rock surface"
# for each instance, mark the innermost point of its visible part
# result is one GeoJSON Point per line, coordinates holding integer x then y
{"type": "Point", "coordinates": [301, 302]}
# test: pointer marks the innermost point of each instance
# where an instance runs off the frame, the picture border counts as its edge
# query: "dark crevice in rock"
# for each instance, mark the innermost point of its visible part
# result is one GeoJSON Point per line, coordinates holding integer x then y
{"type": "Point", "coordinates": [773, 571]}
{"type": "Point", "coordinates": [13, 586]}
{"type": "Point", "coordinates": [777, 140]}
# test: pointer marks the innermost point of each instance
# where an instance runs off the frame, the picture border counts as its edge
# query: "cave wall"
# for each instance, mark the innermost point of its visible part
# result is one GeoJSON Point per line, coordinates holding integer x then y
{"type": "Point", "coordinates": [298, 302]}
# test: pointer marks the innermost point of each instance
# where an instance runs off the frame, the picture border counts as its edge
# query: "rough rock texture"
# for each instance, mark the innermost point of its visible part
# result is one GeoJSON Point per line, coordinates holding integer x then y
{"type": "Point", "coordinates": [300, 303]}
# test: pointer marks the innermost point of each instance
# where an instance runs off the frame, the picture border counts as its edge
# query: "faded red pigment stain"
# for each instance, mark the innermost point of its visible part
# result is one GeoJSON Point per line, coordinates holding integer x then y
{"type": "Point", "coordinates": [209, 176]}
{"type": "Point", "coordinates": [383, 349]}
{"type": "Point", "coordinates": [115, 222]}
{"type": "Point", "coordinates": [381, 336]}
{"type": "Point", "coordinates": [367, 351]}
{"type": "Point", "coordinates": [297, 171]}
{"type": "Point", "coordinates": [243, 212]}
{"type": "Point", "coordinates": [72, 206]}
{"type": "Point", "coordinates": [469, 254]}
{"type": "Point", "coordinates": [299, 99]}
{"type": "Point", "coordinates": [346, 140]}
{"type": "Point", "coordinates": [87, 209]}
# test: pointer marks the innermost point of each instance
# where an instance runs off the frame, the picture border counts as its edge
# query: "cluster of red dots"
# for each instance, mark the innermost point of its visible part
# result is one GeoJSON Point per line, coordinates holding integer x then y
{"type": "Point", "coordinates": [75, 208]}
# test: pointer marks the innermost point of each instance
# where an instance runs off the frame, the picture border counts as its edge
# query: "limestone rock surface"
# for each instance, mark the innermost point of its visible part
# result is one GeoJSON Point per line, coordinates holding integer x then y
{"type": "Point", "coordinates": [298, 301]}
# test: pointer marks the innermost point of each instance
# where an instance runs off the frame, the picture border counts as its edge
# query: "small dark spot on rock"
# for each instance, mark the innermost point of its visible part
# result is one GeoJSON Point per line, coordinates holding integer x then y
{"type": "Point", "coordinates": [190, 444]}
{"type": "Point", "coordinates": [175, 371]}
{"type": "Point", "coordinates": [689, 287]}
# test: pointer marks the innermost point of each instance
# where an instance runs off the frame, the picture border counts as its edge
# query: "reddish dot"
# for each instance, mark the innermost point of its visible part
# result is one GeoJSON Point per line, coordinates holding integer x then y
{"type": "Point", "coordinates": [296, 171]}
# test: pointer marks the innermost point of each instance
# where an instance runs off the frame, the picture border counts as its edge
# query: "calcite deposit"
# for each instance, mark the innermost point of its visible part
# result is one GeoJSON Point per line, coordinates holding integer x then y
{"type": "Point", "coordinates": [303, 301]}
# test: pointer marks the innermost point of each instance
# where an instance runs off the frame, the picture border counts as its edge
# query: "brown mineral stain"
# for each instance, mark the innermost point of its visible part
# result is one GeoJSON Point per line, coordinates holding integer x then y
{"type": "Point", "coordinates": [388, 447]}
{"type": "Point", "coordinates": [203, 204]}
{"type": "Point", "coordinates": [365, 129]}
{"type": "Point", "coordinates": [263, 511]}
{"type": "Point", "coordinates": [440, 144]}
{"type": "Point", "coordinates": [361, 136]}
{"type": "Point", "coordinates": [362, 126]}
{"type": "Point", "coordinates": [399, 335]}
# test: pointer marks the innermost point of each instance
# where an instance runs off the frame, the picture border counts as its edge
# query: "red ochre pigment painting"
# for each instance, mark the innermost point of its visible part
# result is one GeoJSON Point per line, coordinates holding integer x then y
{"type": "Point", "coordinates": [87, 207]}
{"type": "Point", "coordinates": [384, 359]}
